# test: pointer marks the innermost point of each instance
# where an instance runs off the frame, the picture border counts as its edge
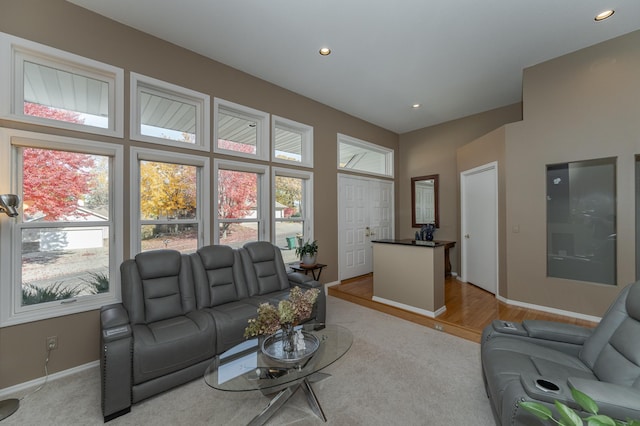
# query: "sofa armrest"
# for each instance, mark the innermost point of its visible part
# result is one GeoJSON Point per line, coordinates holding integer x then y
{"type": "Point", "coordinates": [114, 322]}
{"type": "Point", "coordinates": [116, 344]}
{"type": "Point", "coordinates": [306, 282]}
{"type": "Point", "coordinates": [302, 280]}
{"type": "Point", "coordinates": [556, 331]}
{"type": "Point", "coordinates": [619, 402]}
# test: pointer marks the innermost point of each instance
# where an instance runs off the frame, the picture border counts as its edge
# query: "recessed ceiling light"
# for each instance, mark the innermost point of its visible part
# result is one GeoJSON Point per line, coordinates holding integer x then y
{"type": "Point", "coordinates": [604, 15]}
{"type": "Point", "coordinates": [416, 106]}
{"type": "Point", "coordinates": [325, 51]}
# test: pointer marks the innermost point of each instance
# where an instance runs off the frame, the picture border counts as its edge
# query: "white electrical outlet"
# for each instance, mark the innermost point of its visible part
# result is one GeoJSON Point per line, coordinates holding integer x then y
{"type": "Point", "coordinates": [52, 342]}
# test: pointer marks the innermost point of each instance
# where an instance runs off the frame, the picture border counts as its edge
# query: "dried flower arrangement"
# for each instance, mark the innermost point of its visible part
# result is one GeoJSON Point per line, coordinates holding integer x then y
{"type": "Point", "coordinates": [289, 312]}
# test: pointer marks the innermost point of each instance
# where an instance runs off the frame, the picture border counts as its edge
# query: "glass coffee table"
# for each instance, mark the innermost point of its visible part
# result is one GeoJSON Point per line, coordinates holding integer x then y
{"type": "Point", "coordinates": [245, 368]}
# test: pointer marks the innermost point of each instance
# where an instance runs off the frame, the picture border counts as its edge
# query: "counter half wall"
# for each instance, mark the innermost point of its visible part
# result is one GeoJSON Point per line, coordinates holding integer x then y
{"type": "Point", "coordinates": [409, 276]}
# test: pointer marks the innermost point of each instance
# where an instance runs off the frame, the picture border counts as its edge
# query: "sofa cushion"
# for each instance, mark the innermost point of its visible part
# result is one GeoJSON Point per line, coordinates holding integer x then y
{"type": "Point", "coordinates": [161, 298]}
{"type": "Point", "coordinates": [231, 319]}
{"type": "Point", "coordinates": [218, 276]}
{"type": "Point", "coordinates": [263, 268]}
{"type": "Point", "coordinates": [619, 361]}
{"type": "Point", "coordinates": [273, 298]}
{"type": "Point", "coordinates": [163, 347]}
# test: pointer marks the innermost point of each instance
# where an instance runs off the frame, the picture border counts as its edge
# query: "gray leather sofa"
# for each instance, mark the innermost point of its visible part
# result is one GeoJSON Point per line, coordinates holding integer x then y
{"type": "Point", "coordinates": [179, 311]}
{"type": "Point", "coordinates": [541, 361]}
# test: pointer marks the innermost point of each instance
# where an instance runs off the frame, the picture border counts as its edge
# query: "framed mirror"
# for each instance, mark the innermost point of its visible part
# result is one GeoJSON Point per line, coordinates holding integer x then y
{"type": "Point", "coordinates": [424, 201]}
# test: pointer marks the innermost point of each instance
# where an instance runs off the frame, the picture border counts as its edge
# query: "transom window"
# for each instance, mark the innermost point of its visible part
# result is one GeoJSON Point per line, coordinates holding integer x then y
{"type": "Point", "coordinates": [240, 131]}
{"type": "Point", "coordinates": [365, 157]}
{"type": "Point", "coordinates": [168, 114]}
{"type": "Point", "coordinates": [292, 142]}
{"type": "Point", "coordinates": [64, 252]}
{"type": "Point", "coordinates": [56, 88]}
{"type": "Point", "coordinates": [167, 203]}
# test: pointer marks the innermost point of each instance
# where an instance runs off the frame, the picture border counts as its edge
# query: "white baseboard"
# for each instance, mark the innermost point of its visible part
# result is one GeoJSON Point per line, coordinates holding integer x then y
{"type": "Point", "coordinates": [21, 387]}
{"type": "Point", "coordinates": [327, 285]}
{"type": "Point", "coordinates": [409, 308]}
{"type": "Point", "coordinates": [549, 309]}
{"type": "Point", "coordinates": [544, 308]}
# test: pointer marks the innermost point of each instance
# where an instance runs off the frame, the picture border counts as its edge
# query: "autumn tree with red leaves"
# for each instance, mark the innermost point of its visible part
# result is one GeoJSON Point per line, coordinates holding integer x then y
{"type": "Point", "coordinates": [54, 181]}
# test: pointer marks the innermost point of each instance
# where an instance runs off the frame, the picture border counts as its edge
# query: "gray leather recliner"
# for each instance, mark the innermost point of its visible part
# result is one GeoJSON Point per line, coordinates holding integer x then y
{"type": "Point", "coordinates": [267, 280]}
{"type": "Point", "coordinates": [541, 361]}
{"type": "Point", "coordinates": [179, 311]}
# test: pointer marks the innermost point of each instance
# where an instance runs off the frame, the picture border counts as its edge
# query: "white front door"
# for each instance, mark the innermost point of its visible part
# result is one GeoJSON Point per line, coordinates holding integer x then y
{"type": "Point", "coordinates": [479, 212]}
{"type": "Point", "coordinates": [365, 213]}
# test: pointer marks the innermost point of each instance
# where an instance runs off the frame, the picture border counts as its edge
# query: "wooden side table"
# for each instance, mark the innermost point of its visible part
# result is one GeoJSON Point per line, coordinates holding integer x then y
{"type": "Point", "coordinates": [447, 261]}
{"type": "Point", "coordinates": [304, 268]}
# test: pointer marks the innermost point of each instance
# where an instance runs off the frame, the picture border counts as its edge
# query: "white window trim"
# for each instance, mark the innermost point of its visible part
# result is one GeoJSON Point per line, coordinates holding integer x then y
{"type": "Point", "coordinates": [387, 152]}
{"type": "Point", "coordinates": [307, 200]}
{"type": "Point", "coordinates": [12, 87]}
{"type": "Point", "coordinates": [10, 296]}
{"type": "Point", "coordinates": [263, 195]}
{"type": "Point", "coordinates": [199, 100]}
{"type": "Point", "coordinates": [307, 140]}
{"type": "Point", "coordinates": [262, 119]}
{"type": "Point", "coordinates": [202, 200]}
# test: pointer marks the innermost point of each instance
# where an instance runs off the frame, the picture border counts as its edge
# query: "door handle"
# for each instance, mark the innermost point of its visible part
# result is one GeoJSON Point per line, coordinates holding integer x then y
{"type": "Point", "coordinates": [466, 236]}
{"type": "Point", "coordinates": [367, 232]}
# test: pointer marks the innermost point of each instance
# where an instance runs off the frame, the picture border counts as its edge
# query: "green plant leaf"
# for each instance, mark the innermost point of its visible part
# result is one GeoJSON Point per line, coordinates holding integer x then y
{"type": "Point", "coordinates": [633, 422]}
{"type": "Point", "coordinates": [538, 409]}
{"type": "Point", "coordinates": [567, 416]}
{"type": "Point", "coordinates": [584, 401]}
{"type": "Point", "coordinates": [600, 420]}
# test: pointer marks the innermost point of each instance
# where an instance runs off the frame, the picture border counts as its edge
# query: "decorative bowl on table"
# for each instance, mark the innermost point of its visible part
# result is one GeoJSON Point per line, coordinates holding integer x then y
{"type": "Point", "coordinates": [274, 347]}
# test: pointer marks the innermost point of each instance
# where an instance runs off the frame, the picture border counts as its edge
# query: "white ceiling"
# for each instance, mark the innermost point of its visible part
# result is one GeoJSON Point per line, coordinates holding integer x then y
{"type": "Point", "coordinates": [455, 57]}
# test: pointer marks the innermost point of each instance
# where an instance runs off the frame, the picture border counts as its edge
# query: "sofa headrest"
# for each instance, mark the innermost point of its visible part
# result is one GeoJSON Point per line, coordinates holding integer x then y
{"type": "Point", "coordinates": [158, 263]}
{"type": "Point", "coordinates": [633, 301]}
{"type": "Point", "coordinates": [260, 251]}
{"type": "Point", "coordinates": [216, 257]}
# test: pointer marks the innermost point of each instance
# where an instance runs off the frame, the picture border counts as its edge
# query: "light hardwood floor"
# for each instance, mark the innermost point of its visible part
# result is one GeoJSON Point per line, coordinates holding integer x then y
{"type": "Point", "coordinates": [469, 308]}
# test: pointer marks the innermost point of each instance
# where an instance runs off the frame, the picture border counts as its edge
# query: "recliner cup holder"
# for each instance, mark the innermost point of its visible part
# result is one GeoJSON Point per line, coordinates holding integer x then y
{"type": "Point", "coordinates": [547, 386]}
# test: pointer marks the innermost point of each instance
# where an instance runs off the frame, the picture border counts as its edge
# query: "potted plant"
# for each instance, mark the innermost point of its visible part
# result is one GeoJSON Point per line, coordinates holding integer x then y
{"type": "Point", "coordinates": [308, 253]}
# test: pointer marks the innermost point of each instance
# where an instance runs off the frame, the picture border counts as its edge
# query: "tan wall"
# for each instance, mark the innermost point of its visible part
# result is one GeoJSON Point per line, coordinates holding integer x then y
{"type": "Point", "coordinates": [65, 26]}
{"type": "Point", "coordinates": [433, 150]}
{"type": "Point", "coordinates": [484, 150]}
{"type": "Point", "coordinates": [576, 107]}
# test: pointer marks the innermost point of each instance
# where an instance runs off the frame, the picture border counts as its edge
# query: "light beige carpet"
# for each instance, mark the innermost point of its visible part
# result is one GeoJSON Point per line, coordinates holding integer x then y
{"type": "Point", "coordinates": [396, 373]}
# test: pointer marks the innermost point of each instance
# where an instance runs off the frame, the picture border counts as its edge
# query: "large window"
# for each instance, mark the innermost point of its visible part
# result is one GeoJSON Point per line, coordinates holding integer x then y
{"type": "Point", "coordinates": [167, 204]}
{"type": "Point", "coordinates": [292, 142]}
{"type": "Point", "coordinates": [358, 155]}
{"type": "Point", "coordinates": [240, 131]}
{"type": "Point", "coordinates": [581, 220]}
{"type": "Point", "coordinates": [241, 192]}
{"type": "Point", "coordinates": [168, 114]}
{"type": "Point", "coordinates": [43, 85]}
{"type": "Point", "coordinates": [60, 254]}
{"type": "Point", "coordinates": [292, 210]}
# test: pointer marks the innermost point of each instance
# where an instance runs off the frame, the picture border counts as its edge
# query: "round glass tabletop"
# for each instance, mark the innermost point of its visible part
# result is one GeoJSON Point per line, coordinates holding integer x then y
{"type": "Point", "coordinates": [245, 368]}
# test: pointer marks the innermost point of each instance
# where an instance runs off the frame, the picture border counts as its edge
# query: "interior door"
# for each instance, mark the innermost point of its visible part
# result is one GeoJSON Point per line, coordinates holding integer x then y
{"type": "Point", "coordinates": [479, 211]}
{"type": "Point", "coordinates": [365, 213]}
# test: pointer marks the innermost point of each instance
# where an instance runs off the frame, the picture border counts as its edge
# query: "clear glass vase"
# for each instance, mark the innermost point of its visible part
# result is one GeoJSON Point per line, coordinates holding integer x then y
{"type": "Point", "coordinates": [288, 338]}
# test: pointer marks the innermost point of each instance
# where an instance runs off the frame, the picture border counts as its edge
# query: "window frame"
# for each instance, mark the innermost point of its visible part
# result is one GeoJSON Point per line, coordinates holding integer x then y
{"type": "Point", "coordinates": [15, 51]}
{"type": "Point", "coordinates": [12, 312]}
{"type": "Point", "coordinates": [306, 133]}
{"type": "Point", "coordinates": [262, 132]}
{"type": "Point", "coordinates": [307, 200]}
{"type": "Point", "coordinates": [161, 88]}
{"type": "Point", "coordinates": [387, 152]}
{"type": "Point", "coordinates": [263, 210]}
{"type": "Point", "coordinates": [138, 154]}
